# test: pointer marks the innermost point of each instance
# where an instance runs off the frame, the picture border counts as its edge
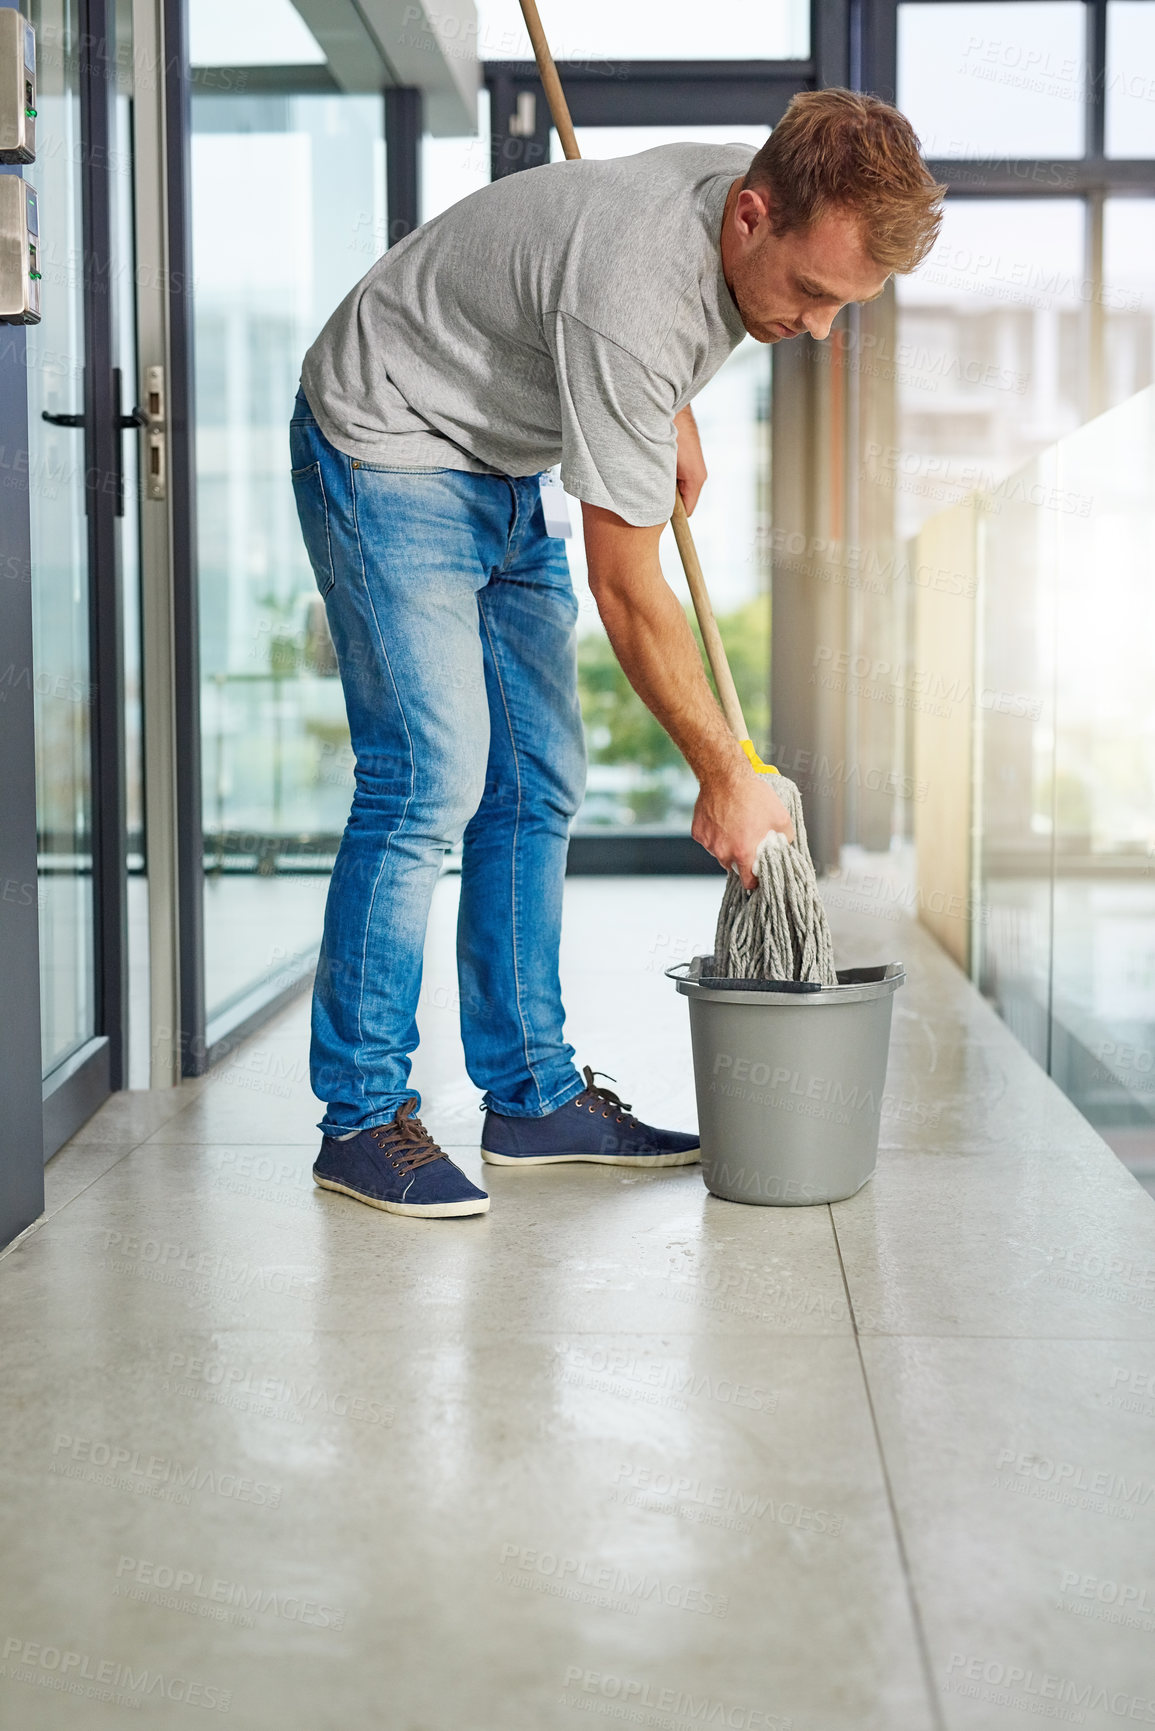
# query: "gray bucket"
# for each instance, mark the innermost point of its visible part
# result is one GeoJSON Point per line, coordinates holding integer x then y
{"type": "Point", "coordinates": [789, 1082]}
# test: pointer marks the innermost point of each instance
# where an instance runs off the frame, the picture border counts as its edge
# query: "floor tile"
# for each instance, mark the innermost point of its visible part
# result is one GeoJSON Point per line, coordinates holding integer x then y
{"type": "Point", "coordinates": [229, 1109]}
{"type": "Point", "coordinates": [238, 1229]}
{"type": "Point", "coordinates": [608, 1450]}
{"type": "Point", "coordinates": [564, 1517]}
{"type": "Point", "coordinates": [132, 1117]}
{"type": "Point", "coordinates": [1022, 1475]}
{"type": "Point", "coordinates": [978, 1096]}
{"type": "Point", "coordinates": [76, 1166]}
{"type": "Point", "coordinates": [1001, 1244]}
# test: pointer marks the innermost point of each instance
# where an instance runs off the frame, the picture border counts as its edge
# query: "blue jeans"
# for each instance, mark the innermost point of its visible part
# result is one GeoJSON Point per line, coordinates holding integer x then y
{"type": "Point", "coordinates": [452, 614]}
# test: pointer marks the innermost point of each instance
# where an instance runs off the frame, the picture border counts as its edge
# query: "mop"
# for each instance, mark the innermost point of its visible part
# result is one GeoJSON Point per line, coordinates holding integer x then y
{"type": "Point", "coordinates": [778, 930]}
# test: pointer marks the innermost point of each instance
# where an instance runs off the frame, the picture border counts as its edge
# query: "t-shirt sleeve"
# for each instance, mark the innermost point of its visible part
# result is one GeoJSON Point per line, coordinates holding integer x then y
{"type": "Point", "coordinates": [619, 446]}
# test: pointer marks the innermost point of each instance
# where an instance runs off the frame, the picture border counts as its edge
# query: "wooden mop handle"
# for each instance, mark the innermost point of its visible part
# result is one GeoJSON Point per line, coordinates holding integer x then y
{"type": "Point", "coordinates": [707, 624]}
{"type": "Point", "coordinates": [550, 82]}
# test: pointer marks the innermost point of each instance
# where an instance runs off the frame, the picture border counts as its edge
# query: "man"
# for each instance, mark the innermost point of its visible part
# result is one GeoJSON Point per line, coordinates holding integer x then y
{"type": "Point", "coordinates": [568, 314]}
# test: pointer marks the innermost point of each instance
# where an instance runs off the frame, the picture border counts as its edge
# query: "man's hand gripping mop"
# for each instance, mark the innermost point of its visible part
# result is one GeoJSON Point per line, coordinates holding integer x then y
{"type": "Point", "coordinates": [778, 930]}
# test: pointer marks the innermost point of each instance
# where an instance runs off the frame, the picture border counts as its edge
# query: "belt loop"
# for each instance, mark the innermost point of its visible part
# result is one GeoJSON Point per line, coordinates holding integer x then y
{"type": "Point", "coordinates": [511, 537]}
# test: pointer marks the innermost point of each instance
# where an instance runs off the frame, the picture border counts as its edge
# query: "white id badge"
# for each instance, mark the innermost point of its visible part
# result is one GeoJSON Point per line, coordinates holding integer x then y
{"type": "Point", "coordinates": [555, 506]}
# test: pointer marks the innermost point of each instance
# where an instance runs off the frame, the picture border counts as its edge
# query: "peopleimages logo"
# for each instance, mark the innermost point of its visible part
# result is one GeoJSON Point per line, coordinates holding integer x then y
{"type": "Point", "coordinates": [159, 1581]}
{"type": "Point", "coordinates": [903, 677]}
{"type": "Point", "coordinates": [636, 1692]}
{"type": "Point", "coordinates": [858, 566]}
{"type": "Point", "coordinates": [61, 1668]}
{"type": "Point", "coordinates": [197, 1373]}
{"type": "Point", "coordinates": [824, 1089]}
{"type": "Point", "coordinates": [1092, 1264]}
{"type": "Point", "coordinates": [170, 1264]}
{"type": "Point", "coordinates": [1070, 1476]}
{"type": "Point", "coordinates": [1138, 1391]}
{"type": "Point", "coordinates": [1105, 1600]}
{"type": "Point", "coordinates": [1015, 1685]}
{"type": "Point", "coordinates": [694, 1499]}
{"type": "Point", "coordinates": [135, 1469]}
{"type": "Point", "coordinates": [669, 1377]}
{"type": "Point", "coordinates": [524, 1565]}
{"type": "Point", "coordinates": [994, 490]}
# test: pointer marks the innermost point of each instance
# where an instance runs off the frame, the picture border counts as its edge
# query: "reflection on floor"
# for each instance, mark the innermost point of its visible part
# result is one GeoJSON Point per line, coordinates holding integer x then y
{"type": "Point", "coordinates": [616, 1449]}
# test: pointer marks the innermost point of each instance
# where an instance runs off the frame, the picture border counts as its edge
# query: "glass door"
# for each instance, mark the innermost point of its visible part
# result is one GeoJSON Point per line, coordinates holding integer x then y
{"type": "Point", "coordinates": [82, 481]}
{"type": "Point", "coordinates": [62, 676]}
{"type": "Point", "coordinates": [128, 389]}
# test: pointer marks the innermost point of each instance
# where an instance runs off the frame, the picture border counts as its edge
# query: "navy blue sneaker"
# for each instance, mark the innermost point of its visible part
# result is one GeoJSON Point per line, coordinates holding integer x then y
{"type": "Point", "coordinates": [398, 1167]}
{"type": "Point", "coordinates": [595, 1126]}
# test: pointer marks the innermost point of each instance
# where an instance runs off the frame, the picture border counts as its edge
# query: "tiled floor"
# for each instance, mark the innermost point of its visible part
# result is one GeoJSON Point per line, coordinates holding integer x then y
{"type": "Point", "coordinates": [616, 1451]}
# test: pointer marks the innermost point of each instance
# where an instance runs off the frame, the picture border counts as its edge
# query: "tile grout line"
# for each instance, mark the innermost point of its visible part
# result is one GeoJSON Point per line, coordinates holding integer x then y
{"type": "Point", "coordinates": [42, 1220]}
{"type": "Point", "coordinates": [30, 1231]}
{"type": "Point", "coordinates": [94, 1181]}
{"type": "Point", "coordinates": [904, 1559]}
{"type": "Point", "coordinates": [34, 1226]}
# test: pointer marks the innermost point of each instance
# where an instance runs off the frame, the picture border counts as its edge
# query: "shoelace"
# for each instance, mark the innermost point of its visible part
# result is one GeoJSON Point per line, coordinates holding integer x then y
{"type": "Point", "coordinates": [406, 1141]}
{"type": "Point", "coordinates": [603, 1096]}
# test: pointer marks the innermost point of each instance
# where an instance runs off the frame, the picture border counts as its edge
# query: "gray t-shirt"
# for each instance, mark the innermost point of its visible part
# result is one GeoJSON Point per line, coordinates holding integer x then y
{"type": "Point", "coordinates": [562, 315]}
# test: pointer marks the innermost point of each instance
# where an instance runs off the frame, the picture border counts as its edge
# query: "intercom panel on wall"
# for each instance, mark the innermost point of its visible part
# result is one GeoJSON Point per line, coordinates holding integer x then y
{"type": "Point", "coordinates": [19, 252]}
{"type": "Point", "coordinates": [17, 87]}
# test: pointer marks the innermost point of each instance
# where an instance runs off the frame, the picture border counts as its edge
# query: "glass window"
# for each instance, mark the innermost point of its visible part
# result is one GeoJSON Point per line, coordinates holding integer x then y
{"type": "Point", "coordinates": [452, 168]}
{"type": "Point", "coordinates": [1101, 789]}
{"type": "Point", "coordinates": [1017, 792]}
{"type": "Point", "coordinates": [221, 33]}
{"type": "Point", "coordinates": [1130, 78]}
{"type": "Point", "coordinates": [988, 357]}
{"type": "Point", "coordinates": [600, 30]}
{"type": "Point", "coordinates": [1128, 296]}
{"type": "Point", "coordinates": [1064, 785]}
{"type": "Point", "coordinates": [637, 776]}
{"type": "Point", "coordinates": [606, 141]}
{"type": "Point", "coordinates": [992, 79]}
{"type": "Point", "coordinates": [277, 771]}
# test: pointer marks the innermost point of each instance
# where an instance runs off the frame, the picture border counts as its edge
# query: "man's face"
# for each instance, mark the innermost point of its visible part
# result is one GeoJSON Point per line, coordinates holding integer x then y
{"type": "Point", "coordinates": [785, 284]}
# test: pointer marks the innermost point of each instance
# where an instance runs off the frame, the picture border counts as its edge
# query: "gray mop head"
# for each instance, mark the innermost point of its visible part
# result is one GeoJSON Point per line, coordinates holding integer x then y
{"type": "Point", "coordinates": [779, 930]}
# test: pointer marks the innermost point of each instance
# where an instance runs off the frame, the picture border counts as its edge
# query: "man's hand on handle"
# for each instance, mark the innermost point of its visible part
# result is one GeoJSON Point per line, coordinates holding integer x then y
{"type": "Point", "coordinates": [733, 816]}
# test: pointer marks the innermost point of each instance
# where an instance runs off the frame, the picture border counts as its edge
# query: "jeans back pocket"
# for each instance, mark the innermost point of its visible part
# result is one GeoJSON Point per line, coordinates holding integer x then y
{"type": "Point", "coordinates": [313, 512]}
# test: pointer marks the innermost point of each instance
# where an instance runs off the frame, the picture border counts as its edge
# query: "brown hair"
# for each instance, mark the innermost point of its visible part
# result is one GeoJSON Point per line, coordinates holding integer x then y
{"type": "Point", "coordinates": [837, 149]}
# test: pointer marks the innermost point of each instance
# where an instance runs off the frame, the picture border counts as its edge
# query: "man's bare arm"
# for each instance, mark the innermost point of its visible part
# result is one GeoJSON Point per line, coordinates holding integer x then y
{"type": "Point", "coordinates": [653, 641]}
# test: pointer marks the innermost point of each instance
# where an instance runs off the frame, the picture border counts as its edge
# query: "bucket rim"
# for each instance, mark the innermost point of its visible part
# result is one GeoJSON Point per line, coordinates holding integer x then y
{"type": "Point", "coordinates": [889, 976]}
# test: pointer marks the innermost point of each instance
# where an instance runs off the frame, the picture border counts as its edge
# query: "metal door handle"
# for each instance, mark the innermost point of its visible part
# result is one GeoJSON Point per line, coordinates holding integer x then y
{"type": "Point", "coordinates": [134, 418]}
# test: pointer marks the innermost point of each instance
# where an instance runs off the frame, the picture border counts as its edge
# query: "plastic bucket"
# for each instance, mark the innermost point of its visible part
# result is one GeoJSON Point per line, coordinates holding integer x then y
{"type": "Point", "coordinates": [789, 1083]}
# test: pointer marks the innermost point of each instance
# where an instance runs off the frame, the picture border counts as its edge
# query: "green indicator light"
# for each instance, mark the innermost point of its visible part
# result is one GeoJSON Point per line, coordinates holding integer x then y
{"type": "Point", "coordinates": [31, 113]}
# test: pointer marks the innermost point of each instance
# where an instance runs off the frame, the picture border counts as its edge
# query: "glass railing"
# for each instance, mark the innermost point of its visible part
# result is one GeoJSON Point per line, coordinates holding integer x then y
{"type": "Point", "coordinates": [1047, 594]}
